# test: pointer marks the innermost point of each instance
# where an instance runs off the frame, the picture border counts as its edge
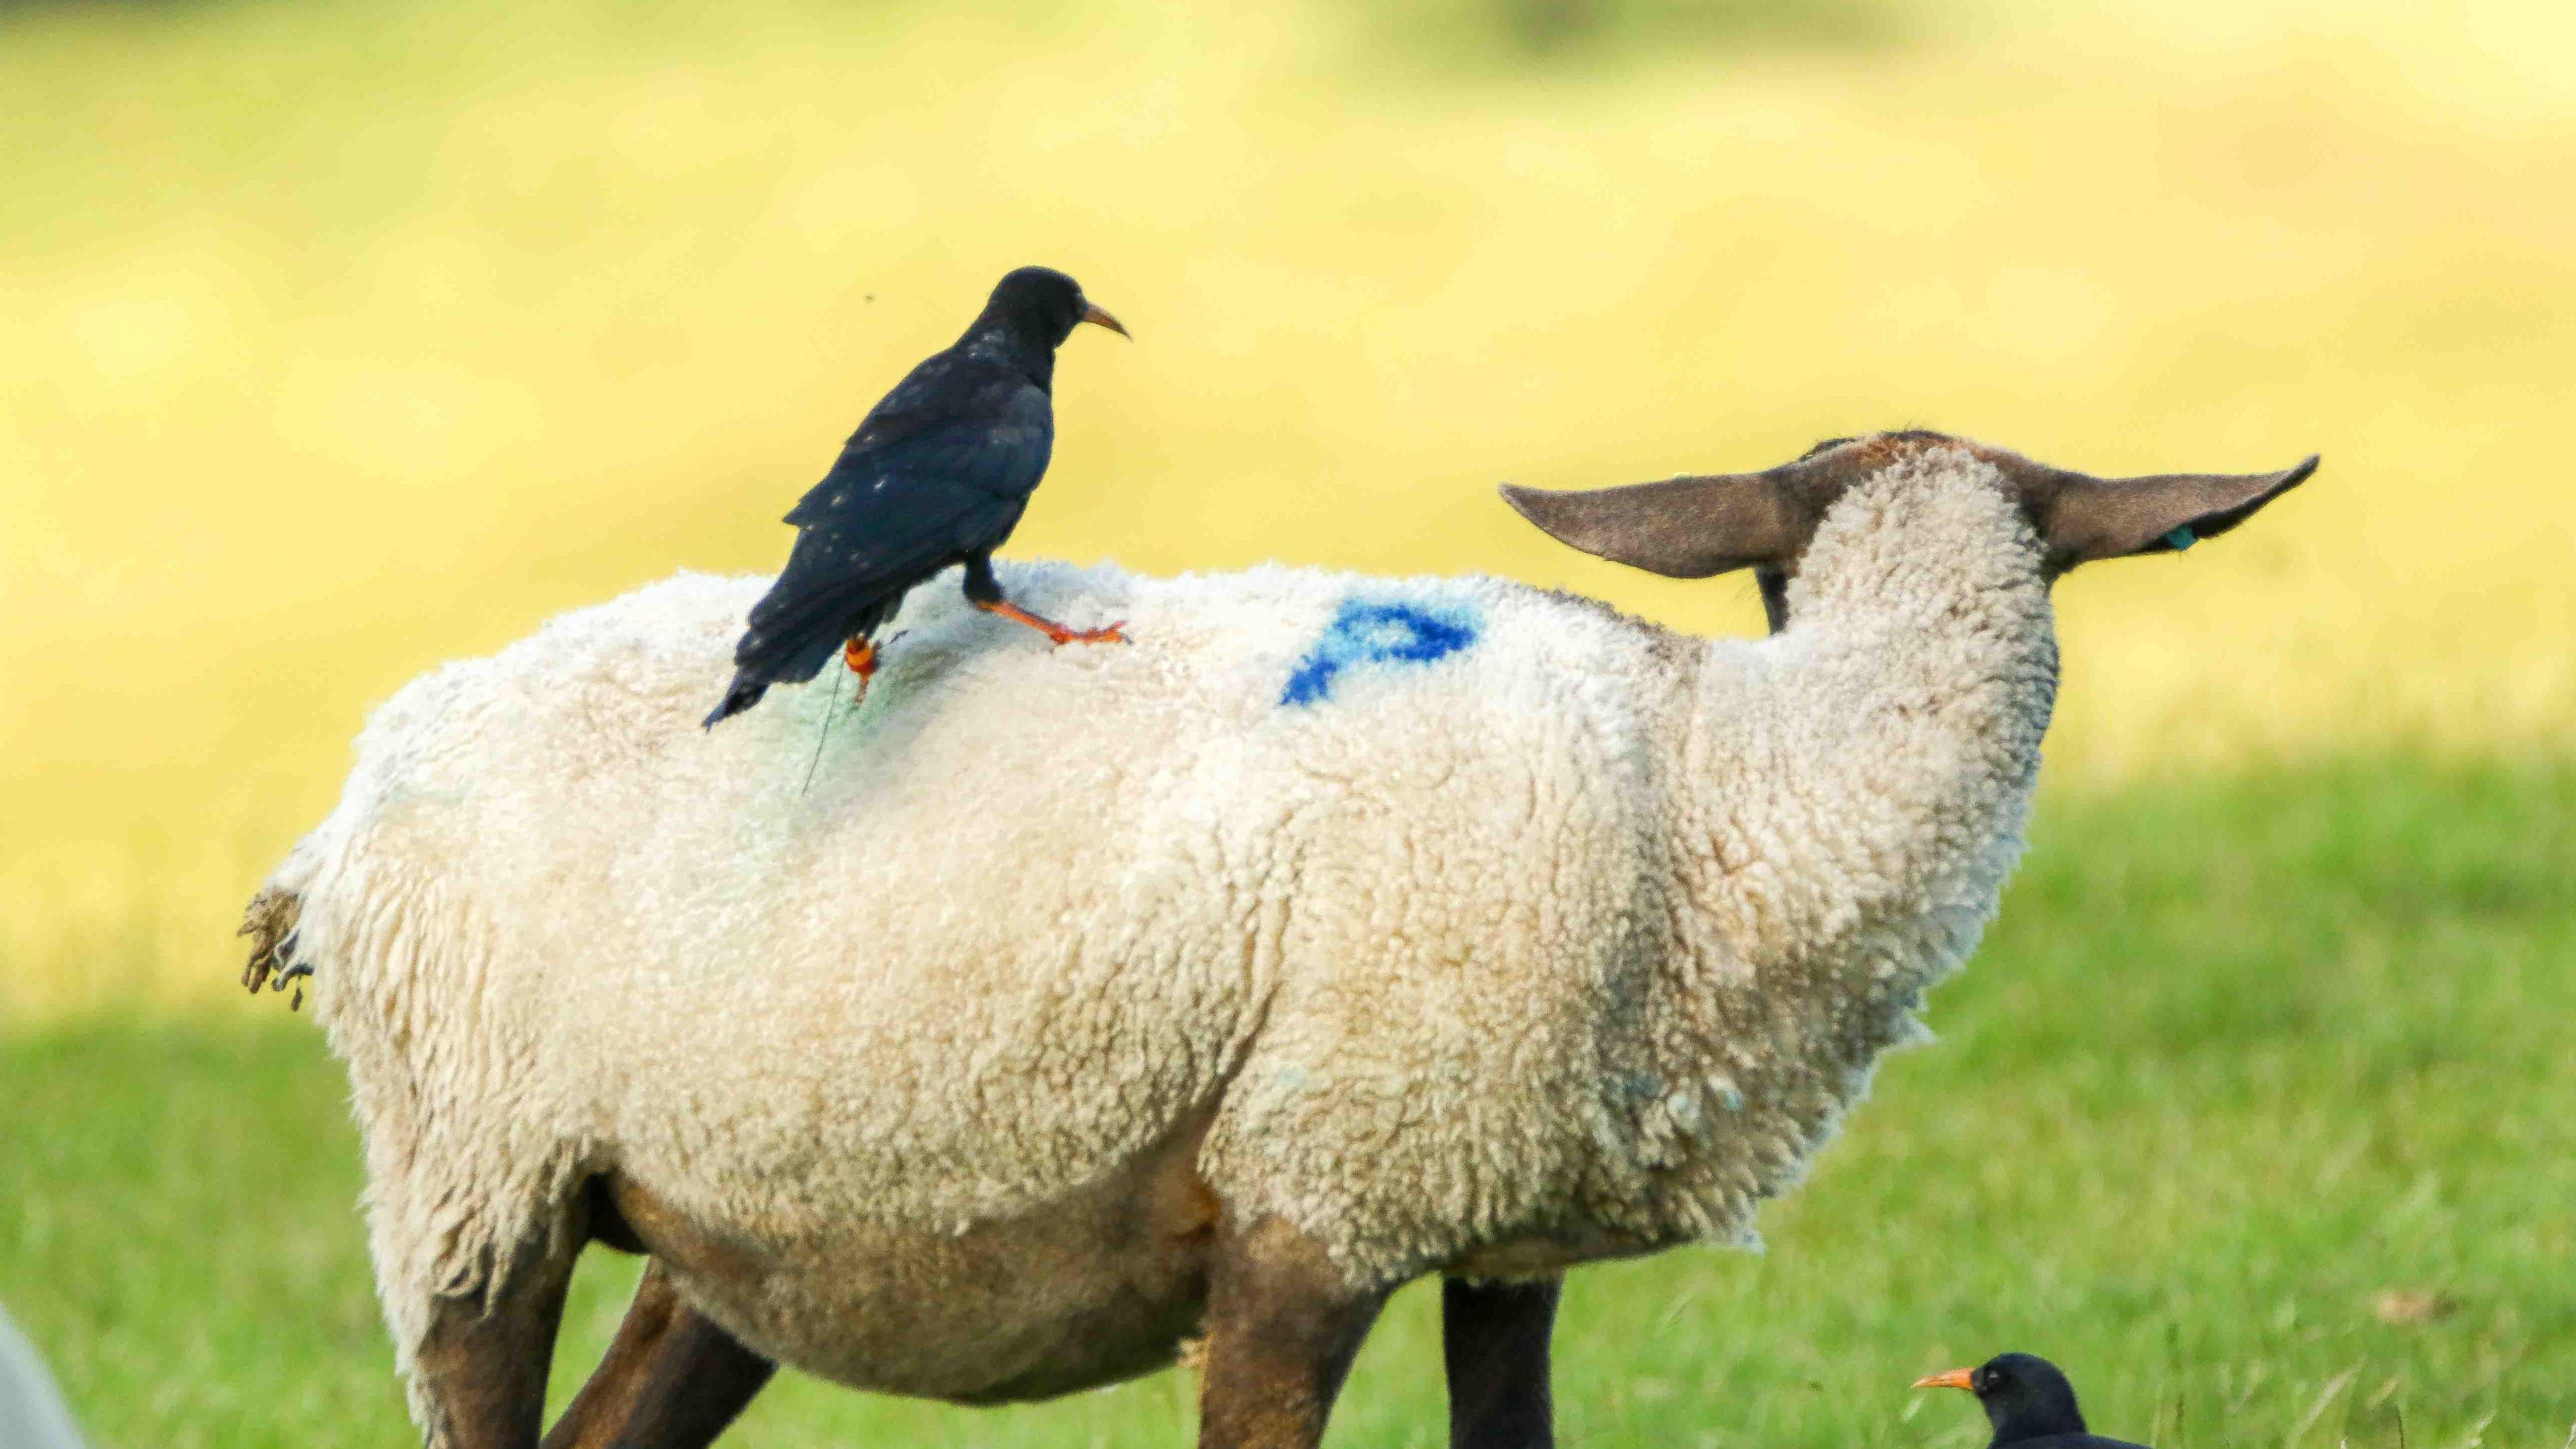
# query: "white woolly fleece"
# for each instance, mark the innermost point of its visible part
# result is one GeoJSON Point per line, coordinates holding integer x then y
{"type": "Point", "coordinates": [1493, 929]}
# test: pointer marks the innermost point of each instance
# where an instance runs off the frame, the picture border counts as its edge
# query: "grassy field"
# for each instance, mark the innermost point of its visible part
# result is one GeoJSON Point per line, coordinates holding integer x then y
{"type": "Point", "coordinates": [2242, 1055]}
{"type": "Point", "coordinates": [346, 339]}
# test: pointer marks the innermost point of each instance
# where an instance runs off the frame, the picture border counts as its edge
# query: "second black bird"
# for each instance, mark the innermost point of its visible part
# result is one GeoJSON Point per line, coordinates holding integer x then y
{"type": "Point", "coordinates": [938, 474]}
{"type": "Point", "coordinates": [2029, 1402]}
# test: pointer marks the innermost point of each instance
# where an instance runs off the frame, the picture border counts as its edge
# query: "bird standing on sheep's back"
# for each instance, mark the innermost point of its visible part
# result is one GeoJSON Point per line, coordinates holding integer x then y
{"type": "Point", "coordinates": [937, 474]}
{"type": "Point", "coordinates": [2029, 1401]}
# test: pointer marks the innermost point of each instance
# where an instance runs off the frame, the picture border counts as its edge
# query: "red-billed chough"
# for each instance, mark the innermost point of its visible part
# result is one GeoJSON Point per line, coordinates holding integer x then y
{"type": "Point", "coordinates": [2030, 1403]}
{"type": "Point", "coordinates": [937, 474]}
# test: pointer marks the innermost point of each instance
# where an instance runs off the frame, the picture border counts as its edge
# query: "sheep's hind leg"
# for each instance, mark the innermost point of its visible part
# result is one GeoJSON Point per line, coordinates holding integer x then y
{"type": "Point", "coordinates": [1282, 1328]}
{"type": "Point", "coordinates": [1494, 1338]}
{"type": "Point", "coordinates": [479, 1375]}
{"type": "Point", "coordinates": [673, 1379]}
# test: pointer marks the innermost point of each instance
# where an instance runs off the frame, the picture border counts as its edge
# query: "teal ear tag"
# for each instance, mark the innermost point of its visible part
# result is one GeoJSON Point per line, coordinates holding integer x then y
{"type": "Point", "coordinates": [2182, 538]}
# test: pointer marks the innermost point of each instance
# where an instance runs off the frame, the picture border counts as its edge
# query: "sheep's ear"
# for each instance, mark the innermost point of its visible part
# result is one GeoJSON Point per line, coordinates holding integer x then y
{"type": "Point", "coordinates": [1682, 528]}
{"type": "Point", "coordinates": [2098, 518]}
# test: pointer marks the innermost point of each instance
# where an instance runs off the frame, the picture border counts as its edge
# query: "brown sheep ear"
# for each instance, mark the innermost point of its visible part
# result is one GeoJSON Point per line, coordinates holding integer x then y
{"type": "Point", "coordinates": [2099, 518]}
{"type": "Point", "coordinates": [1682, 528]}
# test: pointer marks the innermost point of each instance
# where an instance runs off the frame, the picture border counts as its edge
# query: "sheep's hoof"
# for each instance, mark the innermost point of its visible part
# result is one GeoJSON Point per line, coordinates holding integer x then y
{"type": "Point", "coordinates": [292, 975]}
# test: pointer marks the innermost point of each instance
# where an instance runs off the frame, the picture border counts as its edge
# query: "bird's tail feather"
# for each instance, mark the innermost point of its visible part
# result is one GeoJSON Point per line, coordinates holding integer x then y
{"type": "Point", "coordinates": [783, 661]}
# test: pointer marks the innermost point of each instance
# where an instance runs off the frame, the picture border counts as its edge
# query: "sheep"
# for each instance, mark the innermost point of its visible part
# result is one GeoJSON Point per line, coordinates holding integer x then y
{"type": "Point", "coordinates": [1085, 1004]}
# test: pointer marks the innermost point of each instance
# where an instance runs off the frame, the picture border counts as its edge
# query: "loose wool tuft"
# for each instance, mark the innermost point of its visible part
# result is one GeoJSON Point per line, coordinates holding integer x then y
{"type": "Point", "coordinates": [1479, 927]}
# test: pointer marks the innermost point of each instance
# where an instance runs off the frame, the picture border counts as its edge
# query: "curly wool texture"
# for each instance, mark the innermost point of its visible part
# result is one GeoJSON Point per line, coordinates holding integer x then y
{"type": "Point", "coordinates": [1573, 938]}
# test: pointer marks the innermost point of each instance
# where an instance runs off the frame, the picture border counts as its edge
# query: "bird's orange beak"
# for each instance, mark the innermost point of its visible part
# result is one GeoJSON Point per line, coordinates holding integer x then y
{"type": "Point", "coordinates": [1954, 1379]}
{"type": "Point", "coordinates": [1099, 318]}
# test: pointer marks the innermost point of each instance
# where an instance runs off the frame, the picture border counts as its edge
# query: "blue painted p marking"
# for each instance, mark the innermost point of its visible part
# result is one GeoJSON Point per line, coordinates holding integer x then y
{"type": "Point", "coordinates": [1375, 633]}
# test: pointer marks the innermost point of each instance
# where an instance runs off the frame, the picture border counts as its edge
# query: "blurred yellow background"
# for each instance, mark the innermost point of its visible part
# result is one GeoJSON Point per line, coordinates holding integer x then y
{"type": "Point", "coordinates": [340, 341]}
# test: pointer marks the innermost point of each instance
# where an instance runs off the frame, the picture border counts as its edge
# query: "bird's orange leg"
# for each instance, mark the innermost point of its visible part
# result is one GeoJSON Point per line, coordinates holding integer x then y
{"type": "Point", "coordinates": [861, 655]}
{"type": "Point", "coordinates": [1055, 632]}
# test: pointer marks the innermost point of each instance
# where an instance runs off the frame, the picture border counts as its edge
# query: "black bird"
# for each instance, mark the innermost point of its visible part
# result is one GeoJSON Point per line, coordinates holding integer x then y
{"type": "Point", "coordinates": [2030, 1403]}
{"type": "Point", "coordinates": [937, 474]}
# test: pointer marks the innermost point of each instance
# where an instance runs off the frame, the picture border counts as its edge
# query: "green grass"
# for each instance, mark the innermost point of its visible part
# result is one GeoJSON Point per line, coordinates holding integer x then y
{"type": "Point", "coordinates": [2241, 1055]}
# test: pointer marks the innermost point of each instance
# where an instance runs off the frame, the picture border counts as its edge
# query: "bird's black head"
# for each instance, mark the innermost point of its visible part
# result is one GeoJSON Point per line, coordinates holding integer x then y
{"type": "Point", "coordinates": [1041, 306]}
{"type": "Point", "coordinates": [2024, 1395]}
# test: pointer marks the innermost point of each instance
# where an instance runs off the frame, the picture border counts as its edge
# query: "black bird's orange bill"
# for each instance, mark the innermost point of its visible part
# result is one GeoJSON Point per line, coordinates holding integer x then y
{"type": "Point", "coordinates": [1954, 1379]}
{"type": "Point", "coordinates": [1099, 318]}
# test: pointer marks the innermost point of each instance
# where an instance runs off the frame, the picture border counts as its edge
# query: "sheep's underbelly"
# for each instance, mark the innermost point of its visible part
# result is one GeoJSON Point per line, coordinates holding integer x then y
{"type": "Point", "coordinates": [1086, 1290]}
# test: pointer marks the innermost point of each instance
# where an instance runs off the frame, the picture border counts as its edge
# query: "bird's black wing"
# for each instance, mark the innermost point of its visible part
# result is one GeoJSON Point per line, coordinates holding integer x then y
{"type": "Point", "coordinates": [959, 416]}
{"type": "Point", "coordinates": [895, 510]}
{"type": "Point", "coordinates": [833, 573]}
{"type": "Point", "coordinates": [938, 472]}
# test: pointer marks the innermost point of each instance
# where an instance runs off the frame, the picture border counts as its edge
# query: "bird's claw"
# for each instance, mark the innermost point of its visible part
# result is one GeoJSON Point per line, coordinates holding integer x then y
{"type": "Point", "coordinates": [1055, 633]}
{"type": "Point", "coordinates": [1110, 634]}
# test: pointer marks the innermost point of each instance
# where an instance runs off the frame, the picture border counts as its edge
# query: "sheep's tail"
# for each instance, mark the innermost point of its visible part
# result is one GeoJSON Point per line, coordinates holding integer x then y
{"type": "Point", "coordinates": [271, 921]}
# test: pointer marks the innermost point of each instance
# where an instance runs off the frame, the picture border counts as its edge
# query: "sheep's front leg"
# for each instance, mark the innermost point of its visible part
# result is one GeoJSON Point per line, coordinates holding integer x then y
{"type": "Point", "coordinates": [1283, 1326]}
{"type": "Point", "coordinates": [673, 1378]}
{"type": "Point", "coordinates": [479, 1376]}
{"type": "Point", "coordinates": [1493, 1337]}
